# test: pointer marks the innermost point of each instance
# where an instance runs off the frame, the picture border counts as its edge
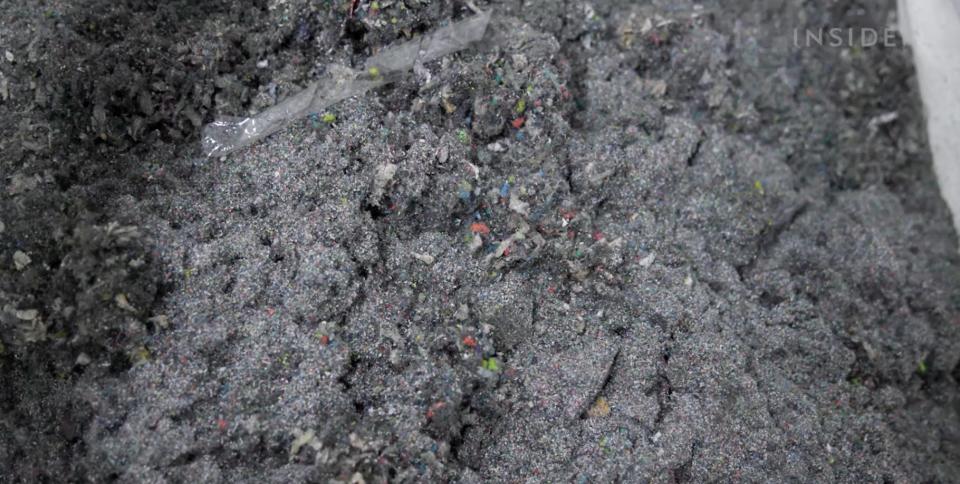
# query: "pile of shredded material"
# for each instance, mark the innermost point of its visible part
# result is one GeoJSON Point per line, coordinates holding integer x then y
{"type": "Point", "coordinates": [611, 241]}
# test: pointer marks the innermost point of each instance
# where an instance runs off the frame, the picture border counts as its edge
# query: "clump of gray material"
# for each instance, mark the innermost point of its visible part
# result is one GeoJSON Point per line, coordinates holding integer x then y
{"type": "Point", "coordinates": [339, 83]}
{"type": "Point", "coordinates": [73, 292]}
{"type": "Point", "coordinates": [626, 242]}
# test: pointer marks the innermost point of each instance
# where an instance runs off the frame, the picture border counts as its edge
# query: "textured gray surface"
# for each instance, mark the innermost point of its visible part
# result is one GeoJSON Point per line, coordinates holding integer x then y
{"type": "Point", "coordinates": [716, 270]}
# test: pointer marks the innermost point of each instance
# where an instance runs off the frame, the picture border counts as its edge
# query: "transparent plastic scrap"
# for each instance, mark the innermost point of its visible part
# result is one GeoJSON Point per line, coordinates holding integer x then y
{"type": "Point", "coordinates": [225, 136]}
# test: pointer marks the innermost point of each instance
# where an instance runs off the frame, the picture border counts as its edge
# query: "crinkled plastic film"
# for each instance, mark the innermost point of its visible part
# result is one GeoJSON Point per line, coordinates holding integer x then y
{"type": "Point", "coordinates": [225, 136]}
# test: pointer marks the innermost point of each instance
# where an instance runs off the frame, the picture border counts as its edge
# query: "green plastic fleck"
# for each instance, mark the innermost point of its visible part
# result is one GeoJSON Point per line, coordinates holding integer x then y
{"type": "Point", "coordinates": [491, 364]}
{"type": "Point", "coordinates": [521, 106]}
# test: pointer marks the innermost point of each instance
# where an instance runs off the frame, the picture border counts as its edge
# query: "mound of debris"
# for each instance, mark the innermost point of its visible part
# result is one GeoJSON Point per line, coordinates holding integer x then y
{"type": "Point", "coordinates": [614, 241]}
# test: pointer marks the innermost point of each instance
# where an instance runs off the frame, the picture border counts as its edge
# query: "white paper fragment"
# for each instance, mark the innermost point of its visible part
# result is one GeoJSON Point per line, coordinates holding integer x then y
{"type": "Point", "coordinates": [21, 260]}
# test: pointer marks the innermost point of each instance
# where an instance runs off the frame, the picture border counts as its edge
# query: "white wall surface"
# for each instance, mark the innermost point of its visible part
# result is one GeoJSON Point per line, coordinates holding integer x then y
{"type": "Point", "coordinates": [932, 28]}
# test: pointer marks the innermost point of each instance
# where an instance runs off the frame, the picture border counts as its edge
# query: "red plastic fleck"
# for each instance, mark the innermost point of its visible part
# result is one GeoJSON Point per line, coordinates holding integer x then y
{"type": "Point", "coordinates": [433, 409]}
{"type": "Point", "coordinates": [479, 228]}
